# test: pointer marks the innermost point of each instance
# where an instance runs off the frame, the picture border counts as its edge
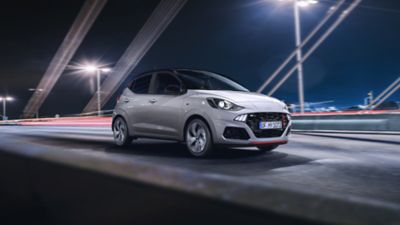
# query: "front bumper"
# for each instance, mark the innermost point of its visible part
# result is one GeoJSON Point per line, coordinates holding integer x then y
{"type": "Point", "coordinates": [225, 119]}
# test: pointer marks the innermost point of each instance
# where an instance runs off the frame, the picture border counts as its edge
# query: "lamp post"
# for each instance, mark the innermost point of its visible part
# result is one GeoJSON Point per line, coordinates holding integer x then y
{"type": "Point", "coordinates": [5, 99]}
{"type": "Point", "coordinates": [300, 84]}
{"type": "Point", "coordinates": [97, 70]}
{"type": "Point", "coordinates": [39, 91]}
{"type": "Point", "coordinates": [297, 26]}
{"type": "Point", "coordinates": [299, 54]}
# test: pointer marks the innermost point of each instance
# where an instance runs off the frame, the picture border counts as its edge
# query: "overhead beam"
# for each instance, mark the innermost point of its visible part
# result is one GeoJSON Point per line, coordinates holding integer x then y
{"type": "Point", "coordinates": [316, 29]}
{"type": "Point", "coordinates": [384, 92]}
{"type": "Point", "coordinates": [387, 96]}
{"type": "Point", "coordinates": [327, 33]}
{"type": "Point", "coordinates": [159, 20]}
{"type": "Point", "coordinates": [83, 22]}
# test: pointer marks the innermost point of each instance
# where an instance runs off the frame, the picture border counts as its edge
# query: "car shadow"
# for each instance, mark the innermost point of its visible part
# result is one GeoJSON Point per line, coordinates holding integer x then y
{"type": "Point", "coordinates": [178, 150]}
{"type": "Point", "coordinates": [149, 147]}
{"type": "Point", "coordinates": [227, 161]}
{"type": "Point", "coordinates": [233, 161]}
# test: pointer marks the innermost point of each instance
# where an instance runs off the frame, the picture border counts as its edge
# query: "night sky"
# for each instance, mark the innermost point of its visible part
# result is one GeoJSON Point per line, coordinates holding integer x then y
{"type": "Point", "coordinates": [244, 39]}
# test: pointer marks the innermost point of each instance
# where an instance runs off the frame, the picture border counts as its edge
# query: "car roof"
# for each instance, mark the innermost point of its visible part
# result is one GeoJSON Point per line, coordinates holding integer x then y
{"type": "Point", "coordinates": [179, 70]}
{"type": "Point", "coordinates": [174, 70]}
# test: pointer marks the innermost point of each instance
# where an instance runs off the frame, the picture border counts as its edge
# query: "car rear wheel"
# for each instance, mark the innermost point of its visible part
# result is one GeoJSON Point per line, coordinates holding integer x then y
{"type": "Point", "coordinates": [267, 148]}
{"type": "Point", "coordinates": [121, 134]}
{"type": "Point", "coordinates": [198, 138]}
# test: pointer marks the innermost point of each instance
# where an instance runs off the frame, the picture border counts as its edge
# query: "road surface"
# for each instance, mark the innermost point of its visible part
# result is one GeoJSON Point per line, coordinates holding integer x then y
{"type": "Point", "coordinates": [348, 166]}
{"type": "Point", "coordinates": [345, 164]}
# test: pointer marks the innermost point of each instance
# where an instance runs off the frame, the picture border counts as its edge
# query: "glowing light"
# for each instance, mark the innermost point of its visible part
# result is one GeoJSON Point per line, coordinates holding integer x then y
{"type": "Point", "coordinates": [305, 3]}
{"type": "Point", "coordinates": [302, 3]}
{"type": "Point", "coordinates": [91, 68]}
{"type": "Point", "coordinates": [36, 89]}
{"type": "Point", "coordinates": [7, 99]}
{"type": "Point", "coordinates": [94, 69]}
{"type": "Point", "coordinates": [105, 70]}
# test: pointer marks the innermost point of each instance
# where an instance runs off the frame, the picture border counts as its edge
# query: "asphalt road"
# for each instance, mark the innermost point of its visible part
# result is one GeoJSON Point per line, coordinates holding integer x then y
{"type": "Point", "coordinates": [347, 165]}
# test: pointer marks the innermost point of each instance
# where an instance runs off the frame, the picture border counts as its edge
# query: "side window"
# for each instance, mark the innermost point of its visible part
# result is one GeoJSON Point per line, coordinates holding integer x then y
{"type": "Point", "coordinates": [166, 84]}
{"type": "Point", "coordinates": [141, 85]}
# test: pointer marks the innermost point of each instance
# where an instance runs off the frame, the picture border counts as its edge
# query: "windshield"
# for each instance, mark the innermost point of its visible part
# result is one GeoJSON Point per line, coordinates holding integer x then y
{"type": "Point", "coordinates": [201, 80]}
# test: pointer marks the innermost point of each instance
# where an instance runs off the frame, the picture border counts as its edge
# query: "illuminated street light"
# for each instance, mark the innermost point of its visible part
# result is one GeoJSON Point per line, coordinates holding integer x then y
{"type": "Point", "coordinates": [34, 89]}
{"type": "Point", "coordinates": [105, 70]}
{"type": "Point", "coordinates": [96, 69]}
{"type": "Point", "coordinates": [306, 3]}
{"type": "Point", "coordinates": [302, 3]}
{"type": "Point", "coordinates": [5, 99]}
{"type": "Point", "coordinates": [90, 68]}
{"type": "Point", "coordinates": [297, 4]}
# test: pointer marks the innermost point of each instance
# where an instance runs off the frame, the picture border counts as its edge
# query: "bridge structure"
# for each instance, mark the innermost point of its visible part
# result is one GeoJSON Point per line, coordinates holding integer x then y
{"type": "Point", "coordinates": [157, 23]}
{"type": "Point", "coordinates": [339, 168]}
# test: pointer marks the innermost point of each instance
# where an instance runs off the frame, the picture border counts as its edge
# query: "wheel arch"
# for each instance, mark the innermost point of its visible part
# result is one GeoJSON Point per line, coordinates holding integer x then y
{"type": "Point", "coordinates": [192, 117]}
{"type": "Point", "coordinates": [115, 118]}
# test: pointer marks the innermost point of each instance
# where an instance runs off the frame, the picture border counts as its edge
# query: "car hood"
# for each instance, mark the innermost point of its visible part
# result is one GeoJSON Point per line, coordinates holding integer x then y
{"type": "Point", "coordinates": [255, 100]}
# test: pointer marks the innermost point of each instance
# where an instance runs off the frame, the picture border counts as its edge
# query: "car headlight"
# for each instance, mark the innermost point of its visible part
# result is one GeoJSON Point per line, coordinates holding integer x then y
{"type": "Point", "coordinates": [223, 104]}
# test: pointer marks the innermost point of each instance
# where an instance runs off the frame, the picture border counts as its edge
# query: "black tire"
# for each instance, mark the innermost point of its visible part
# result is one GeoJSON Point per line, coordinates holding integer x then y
{"type": "Point", "coordinates": [121, 133]}
{"type": "Point", "coordinates": [266, 148]}
{"type": "Point", "coordinates": [198, 138]}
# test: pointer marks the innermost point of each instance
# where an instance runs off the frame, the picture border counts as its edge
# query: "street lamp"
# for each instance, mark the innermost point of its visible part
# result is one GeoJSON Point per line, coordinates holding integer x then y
{"type": "Point", "coordinates": [297, 4]}
{"type": "Point", "coordinates": [305, 3]}
{"type": "Point", "coordinates": [39, 91]}
{"type": "Point", "coordinates": [96, 69]}
{"type": "Point", "coordinates": [5, 99]}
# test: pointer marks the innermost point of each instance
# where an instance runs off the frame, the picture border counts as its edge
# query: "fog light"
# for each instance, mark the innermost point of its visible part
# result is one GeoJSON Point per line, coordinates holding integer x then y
{"type": "Point", "coordinates": [236, 133]}
{"type": "Point", "coordinates": [241, 118]}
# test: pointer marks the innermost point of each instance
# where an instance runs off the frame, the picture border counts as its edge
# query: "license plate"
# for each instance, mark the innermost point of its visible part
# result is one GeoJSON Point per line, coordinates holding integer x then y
{"type": "Point", "coordinates": [271, 125]}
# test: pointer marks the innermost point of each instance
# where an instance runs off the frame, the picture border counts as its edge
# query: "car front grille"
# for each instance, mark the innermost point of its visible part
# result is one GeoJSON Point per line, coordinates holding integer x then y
{"type": "Point", "coordinates": [254, 119]}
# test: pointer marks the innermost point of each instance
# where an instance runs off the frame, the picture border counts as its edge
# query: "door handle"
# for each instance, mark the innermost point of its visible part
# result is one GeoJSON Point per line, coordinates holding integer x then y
{"type": "Point", "coordinates": [126, 100]}
{"type": "Point", "coordinates": [152, 101]}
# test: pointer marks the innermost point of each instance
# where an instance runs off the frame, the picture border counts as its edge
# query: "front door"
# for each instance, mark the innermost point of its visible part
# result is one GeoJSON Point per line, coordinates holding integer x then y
{"type": "Point", "coordinates": [168, 107]}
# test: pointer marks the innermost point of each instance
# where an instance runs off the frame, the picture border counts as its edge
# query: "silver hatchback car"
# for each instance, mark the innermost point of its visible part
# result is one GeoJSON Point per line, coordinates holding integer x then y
{"type": "Point", "coordinates": [201, 109]}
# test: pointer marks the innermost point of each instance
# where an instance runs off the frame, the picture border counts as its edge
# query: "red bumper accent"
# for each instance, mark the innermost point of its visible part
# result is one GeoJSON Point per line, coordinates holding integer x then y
{"type": "Point", "coordinates": [269, 142]}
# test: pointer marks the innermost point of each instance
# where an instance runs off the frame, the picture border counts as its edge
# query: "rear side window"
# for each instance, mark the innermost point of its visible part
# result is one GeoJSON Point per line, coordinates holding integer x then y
{"type": "Point", "coordinates": [164, 83]}
{"type": "Point", "coordinates": [141, 85]}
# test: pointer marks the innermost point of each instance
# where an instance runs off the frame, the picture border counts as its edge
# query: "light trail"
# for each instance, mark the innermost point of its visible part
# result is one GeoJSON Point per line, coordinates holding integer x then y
{"type": "Point", "coordinates": [68, 121]}
{"type": "Point", "coordinates": [95, 121]}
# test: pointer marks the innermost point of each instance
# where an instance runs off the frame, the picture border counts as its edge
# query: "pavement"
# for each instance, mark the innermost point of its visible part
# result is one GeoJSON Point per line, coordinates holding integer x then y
{"type": "Point", "coordinates": [358, 170]}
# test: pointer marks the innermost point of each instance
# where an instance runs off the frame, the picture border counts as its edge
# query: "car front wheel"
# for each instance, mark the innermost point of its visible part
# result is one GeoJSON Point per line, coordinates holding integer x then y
{"type": "Point", "coordinates": [121, 134]}
{"type": "Point", "coordinates": [198, 138]}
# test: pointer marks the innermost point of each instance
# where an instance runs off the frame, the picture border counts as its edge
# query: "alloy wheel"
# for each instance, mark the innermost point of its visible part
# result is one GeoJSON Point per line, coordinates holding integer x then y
{"type": "Point", "coordinates": [196, 137]}
{"type": "Point", "coordinates": [120, 131]}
